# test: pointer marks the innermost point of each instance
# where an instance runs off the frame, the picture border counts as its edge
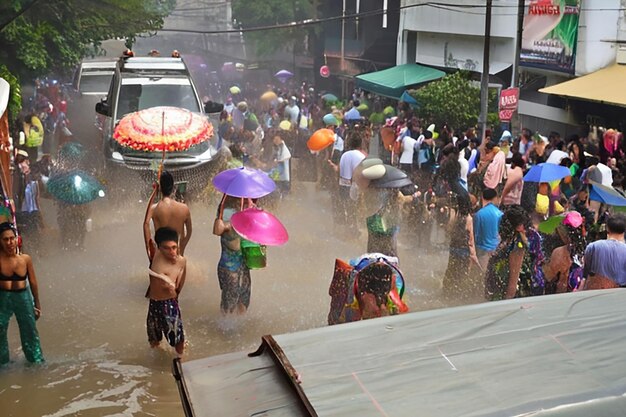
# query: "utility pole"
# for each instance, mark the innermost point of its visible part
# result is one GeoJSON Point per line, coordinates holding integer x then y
{"type": "Point", "coordinates": [484, 79]}
{"type": "Point", "coordinates": [514, 123]}
{"type": "Point", "coordinates": [343, 34]}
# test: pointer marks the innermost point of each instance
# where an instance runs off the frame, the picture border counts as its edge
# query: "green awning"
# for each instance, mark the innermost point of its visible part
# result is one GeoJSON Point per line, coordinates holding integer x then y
{"type": "Point", "coordinates": [393, 81]}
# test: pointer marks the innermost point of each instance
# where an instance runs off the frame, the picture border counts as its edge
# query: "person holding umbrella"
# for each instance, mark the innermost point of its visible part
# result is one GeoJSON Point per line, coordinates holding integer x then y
{"type": "Point", "coordinates": [232, 271]}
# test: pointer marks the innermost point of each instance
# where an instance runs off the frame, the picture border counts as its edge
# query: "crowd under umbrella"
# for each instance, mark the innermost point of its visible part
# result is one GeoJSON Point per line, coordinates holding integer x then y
{"type": "Point", "coordinates": [75, 187]}
{"type": "Point", "coordinates": [546, 172]}
{"type": "Point", "coordinates": [283, 75]}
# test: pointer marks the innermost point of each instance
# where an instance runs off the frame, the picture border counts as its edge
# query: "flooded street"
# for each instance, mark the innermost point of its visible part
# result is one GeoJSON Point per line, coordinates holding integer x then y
{"type": "Point", "coordinates": [93, 332]}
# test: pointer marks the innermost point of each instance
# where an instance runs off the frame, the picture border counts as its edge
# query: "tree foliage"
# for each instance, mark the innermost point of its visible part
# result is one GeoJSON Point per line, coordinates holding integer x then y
{"type": "Point", "coordinates": [272, 12]}
{"type": "Point", "coordinates": [452, 100]}
{"type": "Point", "coordinates": [15, 97]}
{"type": "Point", "coordinates": [40, 36]}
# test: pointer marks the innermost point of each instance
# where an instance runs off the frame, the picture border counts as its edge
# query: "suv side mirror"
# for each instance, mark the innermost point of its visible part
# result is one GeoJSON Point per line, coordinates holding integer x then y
{"type": "Point", "coordinates": [103, 108]}
{"type": "Point", "coordinates": [210, 107]}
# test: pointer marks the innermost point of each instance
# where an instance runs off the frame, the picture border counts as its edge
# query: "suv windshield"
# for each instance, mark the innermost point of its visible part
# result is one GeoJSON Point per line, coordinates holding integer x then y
{"type": "Point", "coordinates": [142, 93]}
{"type": "Point", "coordinates": [95, 82]}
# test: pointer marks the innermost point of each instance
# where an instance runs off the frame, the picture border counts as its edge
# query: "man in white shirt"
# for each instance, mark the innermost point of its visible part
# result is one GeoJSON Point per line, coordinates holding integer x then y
{"type": "Point", "coordinates": [344, 205]}
{"type": "Point", "coordinates": [408, 148]}
{"type": "Point", "coordinates": [292, 111]}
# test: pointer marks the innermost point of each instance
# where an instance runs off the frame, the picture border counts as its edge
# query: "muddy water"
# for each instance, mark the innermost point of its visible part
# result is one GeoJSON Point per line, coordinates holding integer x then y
{"type": "Point", "coordinates": [93, 324]}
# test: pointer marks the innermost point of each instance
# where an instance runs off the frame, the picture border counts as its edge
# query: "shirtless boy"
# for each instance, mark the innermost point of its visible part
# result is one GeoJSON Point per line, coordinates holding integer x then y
{"type": "Point", "coordinates": [168, 213]}
{"type": "Point", "coordinates": [167, 273]}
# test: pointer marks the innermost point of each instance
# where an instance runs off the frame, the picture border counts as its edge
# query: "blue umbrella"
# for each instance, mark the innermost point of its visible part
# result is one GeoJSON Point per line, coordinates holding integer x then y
{"type": "Point", "coordinates": [407, 98]}
{"type": "Point", "coordinates": [606, 195]}
{"type": "Point", "coordinates": [546, 173]}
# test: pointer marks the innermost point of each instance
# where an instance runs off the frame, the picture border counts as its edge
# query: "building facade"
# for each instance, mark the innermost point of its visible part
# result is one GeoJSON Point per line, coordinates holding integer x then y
{"type": "Point", "coordinates": [451, 36]}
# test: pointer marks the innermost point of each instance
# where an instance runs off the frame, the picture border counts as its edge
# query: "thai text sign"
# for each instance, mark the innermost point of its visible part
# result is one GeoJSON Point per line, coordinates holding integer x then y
{"type": "Point", "coordinates": [550, 35]}
{"type": "Point", "coordinates": [507, 105]}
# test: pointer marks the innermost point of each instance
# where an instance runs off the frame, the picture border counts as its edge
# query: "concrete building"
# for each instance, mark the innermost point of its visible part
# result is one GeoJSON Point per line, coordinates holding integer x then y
{"type": "Point", "coordinates": [450, 36]}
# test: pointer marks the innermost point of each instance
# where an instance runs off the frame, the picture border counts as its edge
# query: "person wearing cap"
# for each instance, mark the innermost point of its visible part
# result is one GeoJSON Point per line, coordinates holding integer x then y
{"type": "Point", "coordinates": [605, 260]}
{"type": "Point", "coordinates": [486, 224]}
{"type": "Point", "coordinates": [505, 143]}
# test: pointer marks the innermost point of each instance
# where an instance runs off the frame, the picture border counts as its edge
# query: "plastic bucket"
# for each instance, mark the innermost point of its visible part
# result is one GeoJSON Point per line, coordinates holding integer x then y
{"type": "Point", "coordinates": [254, 255]}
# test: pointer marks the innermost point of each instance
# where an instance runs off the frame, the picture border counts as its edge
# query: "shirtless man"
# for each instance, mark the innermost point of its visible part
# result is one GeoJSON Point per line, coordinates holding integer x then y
{"type": "Point", "coordinates": [167, 273]}
{"type": "Point", "coordinates": [167, 213]}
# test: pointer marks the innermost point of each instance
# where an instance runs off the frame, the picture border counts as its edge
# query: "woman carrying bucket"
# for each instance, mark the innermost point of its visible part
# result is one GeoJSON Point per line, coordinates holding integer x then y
{"type": "Point", "coordinates": [232, 272]}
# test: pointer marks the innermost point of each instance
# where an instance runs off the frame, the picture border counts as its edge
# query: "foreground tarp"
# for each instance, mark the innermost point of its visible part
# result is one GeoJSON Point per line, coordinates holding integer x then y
{"type": "Point", "coordinates": [544, 356]}
{"type": "Point", "coordinates": [393, 81]}
{"type": "Point", "coordinates": [607, 86]}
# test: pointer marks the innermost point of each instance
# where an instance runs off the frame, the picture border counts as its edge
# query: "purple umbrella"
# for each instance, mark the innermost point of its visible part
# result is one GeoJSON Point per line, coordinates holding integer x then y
{"type": "Point", "coordinates": [283, 76]}
{"type": "Point", "coordinates": [244, 182]}
{"type": "Point", "coordinates": [259, 226]}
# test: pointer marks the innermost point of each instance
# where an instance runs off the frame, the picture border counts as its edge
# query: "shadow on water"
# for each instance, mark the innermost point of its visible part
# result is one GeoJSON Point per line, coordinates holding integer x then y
{"type": "Point", "coordinates": [93, 324]}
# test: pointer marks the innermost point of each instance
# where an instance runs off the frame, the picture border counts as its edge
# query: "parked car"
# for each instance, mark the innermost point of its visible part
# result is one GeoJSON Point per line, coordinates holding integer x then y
{"type": "Point", "coordinates": [90, 83]}
{"type": "Point", "coordinates": [142, 82]}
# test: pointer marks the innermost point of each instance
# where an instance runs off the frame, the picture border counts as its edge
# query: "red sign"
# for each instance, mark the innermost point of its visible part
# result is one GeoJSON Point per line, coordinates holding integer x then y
{"type": "Point", "coordinates": [509, 98]}
{"type": "Point", "coordinates": [505, 115]}
{"type": "Point", "coordinates": [325, 71]}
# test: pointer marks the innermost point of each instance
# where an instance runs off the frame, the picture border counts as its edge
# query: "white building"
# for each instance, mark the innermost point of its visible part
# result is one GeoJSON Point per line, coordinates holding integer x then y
{"type": "Point", "coordinates": [452, 36]}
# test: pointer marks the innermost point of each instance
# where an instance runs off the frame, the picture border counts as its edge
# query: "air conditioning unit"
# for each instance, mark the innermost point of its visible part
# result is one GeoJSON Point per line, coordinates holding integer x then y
{"type": "Point", "coordinates": [621, 54]}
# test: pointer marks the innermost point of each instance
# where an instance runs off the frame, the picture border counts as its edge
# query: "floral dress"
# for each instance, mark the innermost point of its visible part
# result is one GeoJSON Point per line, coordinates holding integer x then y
{"type": "Point", "coordinates": [531, 279]}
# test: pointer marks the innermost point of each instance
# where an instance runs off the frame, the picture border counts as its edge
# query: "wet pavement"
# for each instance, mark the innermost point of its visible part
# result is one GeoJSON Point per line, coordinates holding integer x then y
{"type": "Point", "coordinates": [93, 332]}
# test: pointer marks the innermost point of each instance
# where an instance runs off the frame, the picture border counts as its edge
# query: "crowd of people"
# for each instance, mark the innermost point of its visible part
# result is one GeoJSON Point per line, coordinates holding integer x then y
{"type": "Point", "coordinates": [472, 188]}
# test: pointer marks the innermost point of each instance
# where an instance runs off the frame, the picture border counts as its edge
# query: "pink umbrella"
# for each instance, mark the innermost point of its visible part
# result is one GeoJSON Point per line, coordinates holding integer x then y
{"type": "Point", "coordinates": [259, 226]}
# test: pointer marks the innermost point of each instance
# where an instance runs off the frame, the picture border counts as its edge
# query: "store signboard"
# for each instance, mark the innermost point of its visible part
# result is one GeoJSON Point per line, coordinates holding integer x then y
{"type": "Point", "coordinates": [507, 105]}
{"type": "Point", "coordinates": [550, 35]}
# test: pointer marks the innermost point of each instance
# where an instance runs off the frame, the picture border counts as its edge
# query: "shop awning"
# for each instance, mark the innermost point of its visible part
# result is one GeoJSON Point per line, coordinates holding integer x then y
{"type": "Point", "coordinates": [393, 81]}
{"type": "Point", "coordinates": [607, 86]}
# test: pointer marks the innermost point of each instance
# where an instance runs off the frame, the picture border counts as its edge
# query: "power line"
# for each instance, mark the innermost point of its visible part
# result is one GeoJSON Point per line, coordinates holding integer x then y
{"type": "Point", "coordinates": [308, 22]}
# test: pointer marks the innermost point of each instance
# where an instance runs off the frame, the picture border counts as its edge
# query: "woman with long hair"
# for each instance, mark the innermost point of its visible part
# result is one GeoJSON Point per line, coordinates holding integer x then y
{"type": "Point", "coordinates": [514, 270]}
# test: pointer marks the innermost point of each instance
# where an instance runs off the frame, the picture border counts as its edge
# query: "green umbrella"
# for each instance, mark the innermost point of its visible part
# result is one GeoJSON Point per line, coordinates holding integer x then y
{"type": "Point", "coordinates": [329, 97]}
{"type": "Point", "coordinates": [71, 154]}
{"type": "Point", "coordinates": [362, 107]}
{"type": "Point", "coordinates": [549, 226]}
{"type": "Point", "coordinates": [75, 187]}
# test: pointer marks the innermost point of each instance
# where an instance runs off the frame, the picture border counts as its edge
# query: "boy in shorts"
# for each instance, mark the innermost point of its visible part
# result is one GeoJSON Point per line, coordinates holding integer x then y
{"type": "Point", "coordinates": [167, 273]}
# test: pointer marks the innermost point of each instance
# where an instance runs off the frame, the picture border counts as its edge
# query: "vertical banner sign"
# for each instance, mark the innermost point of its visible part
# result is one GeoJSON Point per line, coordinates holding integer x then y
{"type": "Point", "coordinates": [507, 106]}
{"type": "Point", "coordinates": [550, 35]}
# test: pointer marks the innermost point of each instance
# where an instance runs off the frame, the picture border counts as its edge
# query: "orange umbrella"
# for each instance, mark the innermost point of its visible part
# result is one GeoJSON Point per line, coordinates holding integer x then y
{"type": "Point", "coordinates": [166, 129]}
{"type": "Point", "coordinates": [322, 138]}
{"type": "Point", "coordinates": [269, 96]}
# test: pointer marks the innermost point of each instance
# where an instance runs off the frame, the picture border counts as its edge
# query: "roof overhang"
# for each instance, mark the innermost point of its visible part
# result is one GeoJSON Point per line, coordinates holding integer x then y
{"type": "Point", "coordinates": [607, 86]}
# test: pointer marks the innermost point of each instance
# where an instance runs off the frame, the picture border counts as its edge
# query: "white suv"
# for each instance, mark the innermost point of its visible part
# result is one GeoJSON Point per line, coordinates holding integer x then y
{"type": "Point", "coordinates": [140, 83]}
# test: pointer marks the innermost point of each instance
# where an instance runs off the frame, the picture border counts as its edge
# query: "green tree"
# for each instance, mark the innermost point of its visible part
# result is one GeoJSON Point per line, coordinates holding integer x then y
{"type": "Point", "coordinates": [40, 36]}
{"type": "Point", "coordinates": [453, 100]}
{"type": "Point", "coordinates": [259, 13]}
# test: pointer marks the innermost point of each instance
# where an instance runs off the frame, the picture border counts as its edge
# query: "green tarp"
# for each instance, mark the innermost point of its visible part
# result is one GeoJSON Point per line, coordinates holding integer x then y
{"type": "Point", "coordinates": [393, 81]}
